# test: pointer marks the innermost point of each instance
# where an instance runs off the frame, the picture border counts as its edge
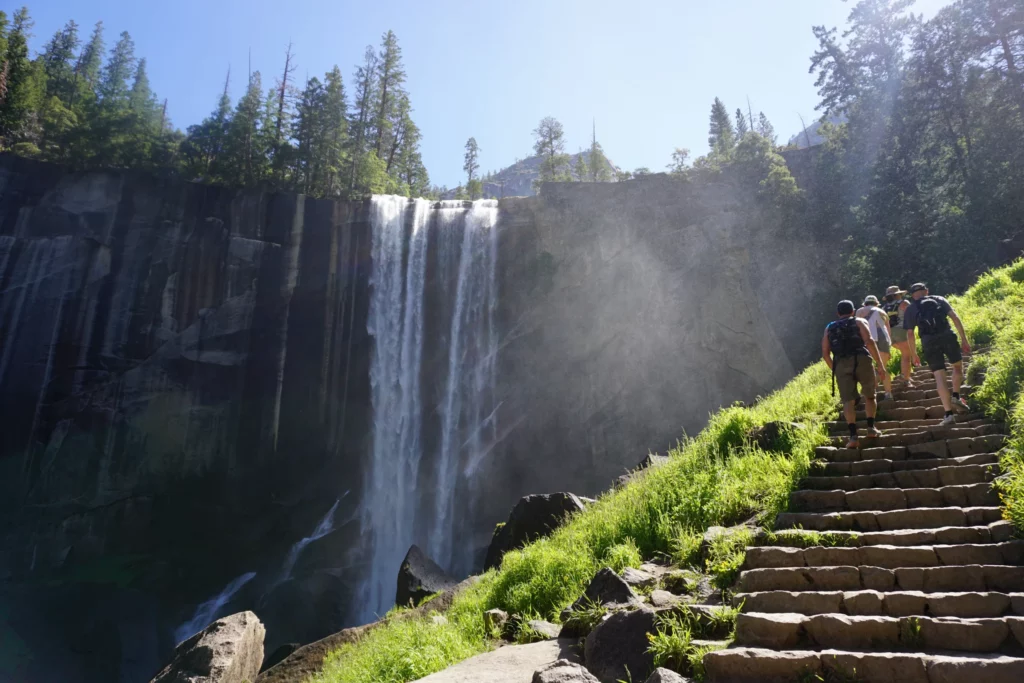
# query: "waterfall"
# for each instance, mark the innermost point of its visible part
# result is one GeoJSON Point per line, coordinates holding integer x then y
{"type": "Point", "coordinates": [466, 416]}
{"type": "Point", "coordinates": [396, 323]}
{"type": "Point", "coordinates": [398, 507]}
{"type": "Point", "coordinates": [324, 527]}
{"type": "Point", "coordinates": [209, 610]}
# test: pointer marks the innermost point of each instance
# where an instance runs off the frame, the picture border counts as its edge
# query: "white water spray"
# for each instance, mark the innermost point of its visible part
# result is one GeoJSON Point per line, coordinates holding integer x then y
{"type": "Point", "coordinates": [396, 323]}
{"type": "Point", "coordinates": [324, 527]}
{"type": "Point", "coordinates": [467, 419]}
{"type": "Point", "coordinates": [208, 611]}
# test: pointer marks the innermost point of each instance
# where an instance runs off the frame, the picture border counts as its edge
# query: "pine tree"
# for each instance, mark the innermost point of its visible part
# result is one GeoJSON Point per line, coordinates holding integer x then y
{"type": "Point", "coordinates": [390, 77]}
{"type": "Point", "coordinates": [360, 126]}
{"type": "Point", "coordinates": [111, 122]}
{"type": "Point", "coordinates": [58, 62]}
{"type": "Point", "coordinates": [741, 124]}
{"type": "Point", "coordinates": [144, 123]}
{"type": "Point", "coordinates": [765, 128]}
{"type": "Point", "coordinates": [19, 96]}
{"type": "Point", "coordinates": [113, 85]}
{"type": "Point", "coordinates": [471, 164]}
{"type": "Point", "coordinates": [282, 113]}
{"type": "Point", "coordinates": [721, 137]}
{"type": "Point", "coordinates": [203, 148]}
{"type": "Point", "coordinates": [245, 146]}
{"type": "Point", "coordinates": [580, 171]}
{"type": "Point", "coordinates": [600, 169]}
{"type": "Point", "coordinates": [335, 131]}
{"type": "Point", "coordinates": [90, 60]}
{"type": "Point", "coordinates": [550, 145]}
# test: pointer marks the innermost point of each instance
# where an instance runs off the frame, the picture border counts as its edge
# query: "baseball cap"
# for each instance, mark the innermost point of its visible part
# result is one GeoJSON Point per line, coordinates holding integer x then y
{"type": "Point", "coordinates": [845, 307]}
{"type": "Point", "coordinates": [917, 287]}
{"type": "Point", "coordinates": [870, 300]}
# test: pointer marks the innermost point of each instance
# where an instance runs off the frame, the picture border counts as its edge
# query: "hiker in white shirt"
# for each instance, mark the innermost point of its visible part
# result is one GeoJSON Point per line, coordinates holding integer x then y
{"type": "Point", "coordinates": [878, 324]}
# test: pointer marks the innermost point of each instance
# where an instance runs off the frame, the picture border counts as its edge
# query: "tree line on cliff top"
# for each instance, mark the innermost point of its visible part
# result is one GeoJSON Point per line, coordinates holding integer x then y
{"type": "Point", "coordinates": [81, 104]}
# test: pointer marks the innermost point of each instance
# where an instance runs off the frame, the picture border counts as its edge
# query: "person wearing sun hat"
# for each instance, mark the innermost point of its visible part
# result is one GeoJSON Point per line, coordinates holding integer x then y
{"type": "Point", "coordinates": [930, 316]}
{"type": "Point", "coordinates": [895, 307]}
{"type": "Point", "coordinates": [878, 324]}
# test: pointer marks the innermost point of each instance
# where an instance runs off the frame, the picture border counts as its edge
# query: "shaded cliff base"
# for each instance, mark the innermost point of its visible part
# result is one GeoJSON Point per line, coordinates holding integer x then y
{"type": "Point", "coordinates": [723, 476]}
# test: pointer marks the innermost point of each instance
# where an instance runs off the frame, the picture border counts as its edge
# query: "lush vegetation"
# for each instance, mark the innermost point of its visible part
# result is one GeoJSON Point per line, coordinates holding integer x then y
{"type": "Point", "coordinates": [993, 313]}
{"type": "Point", "coordinates": [717, 477]}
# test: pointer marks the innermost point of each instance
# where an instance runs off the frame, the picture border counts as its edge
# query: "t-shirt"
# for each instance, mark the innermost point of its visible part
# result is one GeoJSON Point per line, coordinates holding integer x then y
{"type": "Point", "coordinates": [875, 318]}
{"type": "Point", "coordinates": [911, 314]}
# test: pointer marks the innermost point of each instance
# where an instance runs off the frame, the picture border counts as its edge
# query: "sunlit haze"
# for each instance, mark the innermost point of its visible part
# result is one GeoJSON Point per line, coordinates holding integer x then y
{"type": "Point", "coordinates": [646, 71]}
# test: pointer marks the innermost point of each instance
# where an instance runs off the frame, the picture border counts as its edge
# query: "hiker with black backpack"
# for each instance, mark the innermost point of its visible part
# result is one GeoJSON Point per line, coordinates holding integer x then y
{"type": "Point", "coordinates": [930, 316]}
{"type": "Point", "coordinates": [848, 349]}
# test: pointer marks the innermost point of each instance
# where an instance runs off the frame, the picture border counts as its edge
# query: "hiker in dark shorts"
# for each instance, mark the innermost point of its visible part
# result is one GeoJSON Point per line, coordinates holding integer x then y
{"type": "Point", "coordinates": [930, 316]}
{"type": "Point", "coordinates": [847, 349]}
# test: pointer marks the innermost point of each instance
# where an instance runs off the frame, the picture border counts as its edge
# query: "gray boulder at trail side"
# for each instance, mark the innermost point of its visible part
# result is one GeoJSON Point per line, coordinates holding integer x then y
{"type": "Point", "coordinates": [509, 664]}
{"type": "Point", "coordinates": [230, 650]}
{"type": "Point", "coordinates": [419, 577]}
{"type": "Point", "coordinates": [563, 671]}
{"type": "Point", "coordinates": [616, 650]}
{"type": "Point", "coordinates": [606, 589]}
{"type": "Point", "coordinates": [662, 675]}
{"type": "Point", "coordinates": [532, 517]}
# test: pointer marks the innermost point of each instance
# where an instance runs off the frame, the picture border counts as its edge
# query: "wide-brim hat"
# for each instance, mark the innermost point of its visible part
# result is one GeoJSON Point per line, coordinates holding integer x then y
{"type": "Point", "coordinates": [870, 300]}
{"type": "Point", "coordinates": [894, 290]}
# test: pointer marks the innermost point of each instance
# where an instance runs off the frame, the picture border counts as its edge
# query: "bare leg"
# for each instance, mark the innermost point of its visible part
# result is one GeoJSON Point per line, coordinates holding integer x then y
{"type": "Point", "coordinates": [904, 359]}
{"type": "Point", "coordinates": [943, 389]}
{"type": "Point", "coordinates": [884, 371]}
{"type": "Point", "coordinates": [958, 376]}
{"type": "Point", "coordinates": [850, 411]}
{"type": "Point", "coordinates": [869, 404]}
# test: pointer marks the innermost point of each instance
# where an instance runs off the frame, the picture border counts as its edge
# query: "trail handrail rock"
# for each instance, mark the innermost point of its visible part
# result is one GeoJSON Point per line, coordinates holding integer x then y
{"type": "Point", "coordinates": [230, 650]}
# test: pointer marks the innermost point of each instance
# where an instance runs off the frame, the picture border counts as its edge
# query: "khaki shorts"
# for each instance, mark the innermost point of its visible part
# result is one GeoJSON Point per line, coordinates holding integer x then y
{"type": "Point", "coordinates": [899, 335]}
{"type": "Point", "coordinates": [848, 378]}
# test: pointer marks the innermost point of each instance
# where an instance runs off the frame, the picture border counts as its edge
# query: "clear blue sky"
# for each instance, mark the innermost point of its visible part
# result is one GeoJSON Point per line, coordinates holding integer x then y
{"type": "Point", "coordinates": [646, 70]}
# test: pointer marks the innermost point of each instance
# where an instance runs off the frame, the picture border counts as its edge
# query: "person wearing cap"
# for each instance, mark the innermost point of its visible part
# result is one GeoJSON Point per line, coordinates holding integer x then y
{"type": "Point", "coordinates": [895, 307]}
{"type": "Point", "coordinates": [878, 324]}
{"type": "Point", "coordinates": [929, 315]}
{"type": "Point", "coordinates": [848, 349]}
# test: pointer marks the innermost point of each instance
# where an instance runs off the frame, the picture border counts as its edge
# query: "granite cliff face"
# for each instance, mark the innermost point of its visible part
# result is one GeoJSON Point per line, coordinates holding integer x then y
{"type": "Point", "coordinates": [185, 387]}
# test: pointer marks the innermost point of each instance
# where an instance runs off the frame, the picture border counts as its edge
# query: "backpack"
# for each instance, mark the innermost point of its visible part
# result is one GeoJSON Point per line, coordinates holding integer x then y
{"type": "Point", "coordinates": [893, 309]}
{"type": "Point", "coordinates": [844, 339]}
{"type": "Point", "coordinates": [931, 318]}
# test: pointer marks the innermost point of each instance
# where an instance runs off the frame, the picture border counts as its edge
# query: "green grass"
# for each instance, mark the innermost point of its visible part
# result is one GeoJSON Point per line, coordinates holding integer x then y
{"type": "Point", "coordinates": [715, 478]}
{"type": "Point", "coordinates": [993, 313]}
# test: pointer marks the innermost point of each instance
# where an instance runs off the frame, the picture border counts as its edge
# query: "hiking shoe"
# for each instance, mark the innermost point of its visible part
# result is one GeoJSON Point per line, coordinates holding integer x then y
{"type": "Point", "coordinates": [873, 433]}
{"type": "Point", "coordinates": [853, 443]}
{"type": "Point", "coordinates": [887, 396]}
{"type": "Point", "coordinates": [948, 421]}
{"type": "Point", "coordinates": [960, 405]}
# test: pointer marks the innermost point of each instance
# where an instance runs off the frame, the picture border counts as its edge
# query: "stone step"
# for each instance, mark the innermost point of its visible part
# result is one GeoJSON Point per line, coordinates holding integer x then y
{"type": "Point", "coordinates": [758, 665]}
{"type": "Point", "coordinates": [788, 630]}
{"type": "Point", "coordinates": [997, 532]}
{"type": "Point", "coordinates": [910, 446]}
{"type": "Point", "coordinates": [966, 578]}
{"type": "Point", "coordinates": [887, 556]}
{"type": "Point", "coordinates": [889, 520]}
{"type": "Point", "coordinates": [905, 436]}
{"type": "Point", "coordinates": [893, 604]}
{"type": "Point", "coordinates": [894, 498]}
{"type": "Point", "coordinates": [949, 475]}
{"type": "Point", "coordinates": [883, 465]}
{"type": "Point", "coordinates": [838, 426]}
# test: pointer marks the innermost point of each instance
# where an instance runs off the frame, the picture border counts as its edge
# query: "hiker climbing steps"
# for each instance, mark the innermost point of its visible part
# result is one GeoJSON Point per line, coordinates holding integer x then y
{"type": "Point", "coordinates": [913, 575]}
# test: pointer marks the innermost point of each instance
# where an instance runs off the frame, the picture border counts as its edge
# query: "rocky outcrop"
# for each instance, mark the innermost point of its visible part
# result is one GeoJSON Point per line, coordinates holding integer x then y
{"type": "Point", "coordinates": [230, 650]}
{"type": "Point", "coordinates": [419, 577]}
{"type": "Point", "coordinates": [617, 648]}
{"type": "Point", "coordinates": [533, 516]}
{"type": "Point", "coordinates": [563, 671]}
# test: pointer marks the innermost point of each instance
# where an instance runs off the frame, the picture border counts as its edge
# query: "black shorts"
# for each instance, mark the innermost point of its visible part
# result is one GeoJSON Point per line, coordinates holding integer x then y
{"type": "Point", "coordinates": [938, 347]}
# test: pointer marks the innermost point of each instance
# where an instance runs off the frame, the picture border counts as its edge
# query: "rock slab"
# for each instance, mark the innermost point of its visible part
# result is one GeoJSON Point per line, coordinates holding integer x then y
{"type": "Point", "coordinates": [617, 647]}
{"type": "Point", "coordinates": [230, 650]}
{"type": "Point", "coordinates": [419, 577]}
{"type": "Point", "coordinates": [563, 671]}
{"type": "Point", "coordinates": [532, 517]}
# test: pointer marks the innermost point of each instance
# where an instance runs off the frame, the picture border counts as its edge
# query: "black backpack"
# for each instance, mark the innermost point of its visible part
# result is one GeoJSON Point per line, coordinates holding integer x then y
{"type": "Point", "coordinates": [844, 339]}
{"type": "Point", "coordinates": [931, 318]}
{"type": "Point", "coordinates": [892, 308]}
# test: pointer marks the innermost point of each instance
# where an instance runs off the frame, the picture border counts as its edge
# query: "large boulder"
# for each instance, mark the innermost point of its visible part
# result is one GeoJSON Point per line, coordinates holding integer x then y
{"type": "Point", "coordinates": [532, 517]}
{"type": "Point", "coordinates": [230, 650]}
{"type": "Point", "coordinates": [419, 577]}
{"type": "Point", "coordinates": [616, 650]}
{"type": "Point", "coordinates": [662, 675]}
{"type": "Point", "coordinates": [563, 671]}
{"type": "Point", "coordinates": [606, 589]}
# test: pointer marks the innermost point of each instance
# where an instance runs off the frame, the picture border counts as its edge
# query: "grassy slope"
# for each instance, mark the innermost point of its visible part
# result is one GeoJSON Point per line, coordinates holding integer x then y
{"type": "Point", "coordinates": [715, 478]}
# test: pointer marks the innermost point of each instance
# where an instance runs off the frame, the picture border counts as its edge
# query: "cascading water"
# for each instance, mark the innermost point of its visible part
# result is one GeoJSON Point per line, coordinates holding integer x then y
{"type": "Point", "coordinates": [467, 424]}
{"type": "Point", "coordinates": [396, 323]}
{"type": "Point", "coordinates": [410, 495]}
{"type": "Point", "coordinates": [210, 610]}
{"type": "Point", "coordinates": [325, 526]}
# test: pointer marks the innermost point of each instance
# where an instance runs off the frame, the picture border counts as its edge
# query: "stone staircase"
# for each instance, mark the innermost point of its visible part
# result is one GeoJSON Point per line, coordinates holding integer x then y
{"type": "Point", "coordinates": [913, 576]}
